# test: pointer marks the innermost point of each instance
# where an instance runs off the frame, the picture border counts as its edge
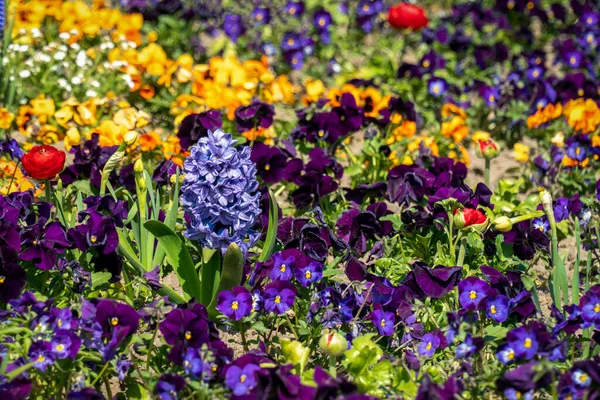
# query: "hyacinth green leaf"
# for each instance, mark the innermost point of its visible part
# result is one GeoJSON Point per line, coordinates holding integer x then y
{"type": "Point", "coordinates": [211, 272]}
{"type": "Point", "coordinates": [178, 257]}
{"type": "Point", "coordinates": [271, 238]}
{"type": "Point", "coordinates": [231, 275]}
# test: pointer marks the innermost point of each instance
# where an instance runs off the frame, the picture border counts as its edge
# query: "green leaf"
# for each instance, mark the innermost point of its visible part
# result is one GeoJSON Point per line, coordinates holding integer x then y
{"type": "Point", "coordinates": [100, 278]}
{"type": "Point", "coordinates": [211, 271]}
{"type": "Point", "coordinates": [231, 275]}
{"type": "Point", "coordinates": [271, 238]}
{"type": "Point", "coordinates": [178, 257]}
{"type": "Point", "coordinates": [495, 332]}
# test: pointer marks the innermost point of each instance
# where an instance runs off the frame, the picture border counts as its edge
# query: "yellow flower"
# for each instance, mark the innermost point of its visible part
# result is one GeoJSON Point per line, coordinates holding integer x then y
{"type": "Point", "coordinates": [12, 178]}
{"type": "Point", "coordinates": [480, 135]}
{"type": "Point", "coordinates": [427, 141]}
{"type": "Point", "coordinates": [450, 109]}
{"type": "Point", "coordinates": [149, 141]}
{"type": "Point", "coordinates": [455, 129]}
{"type": "Point", "coordinates": [130, 118]}
{"type": "Point", "coordinates": [314, 91]}
{"type": "Point", "coordinates": [558, 139]}
{"type": "Point", "coordinates": [42, 108]}
{"type": "Point", "coordinates": [6, 118]}
{"type": "Point", "coordinates": [63, 116]}
{"type": "Point", "coordinates": [72, 138]}
{"type": "Point", "coordinates": [110, 133]}
{"type": "Point", "coordinates": [48, 134]}
{"type": "Point", "coordinates": [521, 152]}
{"type": "Point", "coordinates": [583, 115]}
{"type": "Point", "coordinates": [569, 162]}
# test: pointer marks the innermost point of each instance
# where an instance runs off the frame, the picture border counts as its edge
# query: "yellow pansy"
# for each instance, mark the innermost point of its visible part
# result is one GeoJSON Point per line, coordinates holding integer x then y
{"type": "Point", "coordinates": [521, 152]}
{"type": "Point", "coordinates": [6, 118]}
{"type": "Point", "coordinates": [72, 138]}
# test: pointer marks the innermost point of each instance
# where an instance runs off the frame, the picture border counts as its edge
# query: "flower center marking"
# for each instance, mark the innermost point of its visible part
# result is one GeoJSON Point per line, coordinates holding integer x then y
{"type": "Point", "coordinates": [528, 343]}
{"type": "Point", "coordinates": [277, 299]}
{"type": "Point", "coordinates": [188, 334]}
{"type": "Point", "coordinates": [472, 295]}
{"type": "Point", "coordinates": [114, 321]}
{"type": "Point", "coordinates": [234, 305]}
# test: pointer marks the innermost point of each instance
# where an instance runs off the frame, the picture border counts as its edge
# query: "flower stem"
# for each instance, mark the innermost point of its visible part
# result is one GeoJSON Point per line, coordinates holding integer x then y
{"type": "Point", "coordinates": [243, 335]}
{"type": "Point", "coordinates": [487, 172]}
{"type": "Point", "coordinates": [47, 191]}
{"type": "Point", "coordinates": [150, 347]}
{"type": "Point", "coordinates": [101, 374]}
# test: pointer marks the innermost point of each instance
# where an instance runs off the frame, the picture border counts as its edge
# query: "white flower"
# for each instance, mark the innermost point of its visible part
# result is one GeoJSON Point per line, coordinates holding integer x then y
{"type": "Point", "coordinates": [91, 93]}
{"type": "Point", "coordinates": [23, 48]}
{"type": "Point", "coordinates": [62, 82]}
{"type": "Point", "coordinates": [95, 84]}
{"type": "Point", "coordinates": [59, 56]}
{"type": "Point", "coordinates": [128, 81]}
{"type": "Point", "coordinates": [64, 36]}
{"type": "Point", "coordinates": [36, 33]}
{"type": "Point", "coordinates": [24, 73]}
{"type": "Point", "coordinates": [76, 80]}
{"type": "Point", "coordinates": [81, 59]}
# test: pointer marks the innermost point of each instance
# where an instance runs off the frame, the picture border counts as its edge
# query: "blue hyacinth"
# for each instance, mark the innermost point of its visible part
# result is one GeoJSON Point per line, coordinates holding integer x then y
{"type": "Point", "coordinates": [1, 18]}
{"type": "Point", "coordinates": [219, 193]}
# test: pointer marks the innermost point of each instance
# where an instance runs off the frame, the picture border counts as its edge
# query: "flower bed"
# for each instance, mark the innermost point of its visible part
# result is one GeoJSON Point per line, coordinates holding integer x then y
{"type": "Point", "coordinates": [299, 200]}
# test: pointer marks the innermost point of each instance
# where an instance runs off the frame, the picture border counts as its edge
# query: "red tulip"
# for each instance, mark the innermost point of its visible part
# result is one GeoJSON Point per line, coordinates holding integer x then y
{"type": "Point", "coordinates": [407, 16]}
{"type": "Point", "coordinates": [44, 162]}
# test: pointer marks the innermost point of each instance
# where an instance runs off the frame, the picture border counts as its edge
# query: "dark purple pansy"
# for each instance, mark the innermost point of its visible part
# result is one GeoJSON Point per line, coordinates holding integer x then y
{"type": "Point", "coordinates": [257, 114]}
{"type": "Point", "coordinates": [99, 233]}
{"type": "Point", "coordinates": [408, 183]}
{"type": "Point", "coordinates": [41, 243]}
{"type": "Point", "coordinates": [12, 275]}
{"type": "Point", "coordinates": [435, 282]}
{"type": "Point", "coordinates": [270, 162]}
{"type": "Point", "coordinates": [236, 303]}
{"type": "Point", "coordinates": [196, 126]}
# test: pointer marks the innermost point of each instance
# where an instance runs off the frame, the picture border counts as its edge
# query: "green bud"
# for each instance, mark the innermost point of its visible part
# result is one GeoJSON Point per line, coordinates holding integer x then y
{"type": "Point", "coordinates": [487, 149]}
{"type": "Point", "coordinates": [333, 343]}
{"type": "Point", "coordinates": [503, 224]}
{"type": "Point", "coordinates": [546, 199]}
{"type": "Point", "coordinates": [130, 138]}
{"type": "Point", "coordinates": [459, 219]}
{"type": "Point", "coordinates": [294, 352]}
{"type": "Point", "coordinates": [138, 166]}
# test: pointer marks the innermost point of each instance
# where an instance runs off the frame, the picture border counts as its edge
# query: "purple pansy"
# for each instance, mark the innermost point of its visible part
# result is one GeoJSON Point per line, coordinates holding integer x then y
{"type": "Point", "coordinates": [383, 321]}
{"type": "Point", "coordinates": [235, 303]}
{"type": "Point", "coordinates": [279, 296]}
{"type": "Point", "coordinates": [471, 291]}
